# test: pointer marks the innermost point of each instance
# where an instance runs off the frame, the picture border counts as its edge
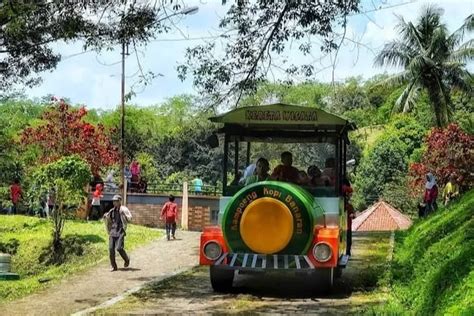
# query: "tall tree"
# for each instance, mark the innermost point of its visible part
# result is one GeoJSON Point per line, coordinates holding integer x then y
{"type": "Point", "coordinates": [256, 32]}
{"type": "Point", "coordinates": [432, 59]}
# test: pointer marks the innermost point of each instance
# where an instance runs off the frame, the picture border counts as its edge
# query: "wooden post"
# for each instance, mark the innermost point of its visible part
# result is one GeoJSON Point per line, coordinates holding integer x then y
{"type": "Point", "coordinates": [184, 207]}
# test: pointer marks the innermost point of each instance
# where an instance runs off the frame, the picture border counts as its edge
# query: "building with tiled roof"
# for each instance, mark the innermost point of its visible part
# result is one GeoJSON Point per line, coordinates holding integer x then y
{"type": "Point", "coordinates": [381, 216]}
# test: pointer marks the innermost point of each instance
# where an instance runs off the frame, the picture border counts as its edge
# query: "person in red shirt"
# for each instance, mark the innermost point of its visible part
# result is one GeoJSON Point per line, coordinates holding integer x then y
{"type": "Point", "coordinates": [15, 194]}
{"type": "Point", "coordinates": [286, 172]}
{"type": "Point", "coordinates": [431, 193]}
{"type": "Point", "coordinates": [169, 213]}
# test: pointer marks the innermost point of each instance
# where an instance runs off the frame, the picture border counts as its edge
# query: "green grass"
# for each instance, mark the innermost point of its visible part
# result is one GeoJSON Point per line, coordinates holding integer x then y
{"type": "Point", "coordinates": [88, 245]}
{"type": "Point", "coordinates": [433, 268]}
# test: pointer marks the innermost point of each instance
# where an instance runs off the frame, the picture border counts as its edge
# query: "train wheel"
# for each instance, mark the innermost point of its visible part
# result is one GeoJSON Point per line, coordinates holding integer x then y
{"type": "Point", "coordinates": [221, 279]}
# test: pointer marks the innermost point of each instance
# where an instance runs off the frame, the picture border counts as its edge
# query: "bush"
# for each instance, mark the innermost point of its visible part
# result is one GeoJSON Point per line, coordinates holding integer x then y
{"type": "Point", "coordinates": [448, 152]}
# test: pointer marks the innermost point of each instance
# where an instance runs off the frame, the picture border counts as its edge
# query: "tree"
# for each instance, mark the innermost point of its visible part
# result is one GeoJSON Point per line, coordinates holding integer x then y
{"type": "Point", "coordinates": [386, 163]}
{"type": "Point", "coordinates": [65, 133]}
{"type": "Point", "coordinates": [385, 160]}
{"type": "Point", "coordinates": [67, 178]}
{"type": "Point", "coordinates": [448, 152]}
{"type": "Point", "coordinates": [432, 59]}
{"type": "Point", "coordinates": [256, 31]}
{"type": "Point", "coordinates": [27, 28]}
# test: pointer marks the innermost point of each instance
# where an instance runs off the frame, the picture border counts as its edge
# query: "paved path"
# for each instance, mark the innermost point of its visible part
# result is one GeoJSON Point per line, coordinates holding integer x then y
{"type": "Point", "coordinates": [156, 261]}
{"type": "Point", "coordinates": [191, 292]}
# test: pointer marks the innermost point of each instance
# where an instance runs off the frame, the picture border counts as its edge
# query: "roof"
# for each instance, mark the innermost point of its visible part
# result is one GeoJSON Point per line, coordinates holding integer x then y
{"type": "Point", "coordinates": [381, 216]}
{"type": "Point", "coordinates": [279, 114]}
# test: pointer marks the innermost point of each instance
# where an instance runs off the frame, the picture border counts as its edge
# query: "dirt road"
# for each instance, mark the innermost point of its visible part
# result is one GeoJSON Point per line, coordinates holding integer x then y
{"type": "Point", "coordinates": [191, 292]}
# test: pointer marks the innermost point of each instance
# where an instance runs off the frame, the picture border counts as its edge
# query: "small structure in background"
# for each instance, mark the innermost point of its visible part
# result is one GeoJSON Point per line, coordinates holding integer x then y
{"type": "Point", "coordinates": [381, 216]}
{"type": "Point", "coordinates": [5, 268]}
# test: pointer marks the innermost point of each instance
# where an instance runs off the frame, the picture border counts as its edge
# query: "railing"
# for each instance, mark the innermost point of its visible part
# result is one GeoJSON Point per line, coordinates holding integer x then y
{"type": "Point", "coordinates": [158, 188]}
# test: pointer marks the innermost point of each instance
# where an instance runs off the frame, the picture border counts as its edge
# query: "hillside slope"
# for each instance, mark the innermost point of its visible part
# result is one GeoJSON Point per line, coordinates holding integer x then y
{"type": "Point", "coordinates": [432, 272]}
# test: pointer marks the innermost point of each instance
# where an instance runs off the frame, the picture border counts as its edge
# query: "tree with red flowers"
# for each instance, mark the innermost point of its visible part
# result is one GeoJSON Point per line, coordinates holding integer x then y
{"type": "Point", "coordinates": [65, 133]}
{"type": "Point", "coordinates": [449, 151]}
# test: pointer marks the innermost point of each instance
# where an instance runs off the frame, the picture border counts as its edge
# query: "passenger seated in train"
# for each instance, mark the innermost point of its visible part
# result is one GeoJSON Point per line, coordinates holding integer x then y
{"type": "Point", "coordinates": [261, 172]}
{"type": "Point", "coordinates": [329, 172]}
{"type": "Point", "coordinates": [285, 171]}
{"type": "Point", "coordinates": [315, 176]}
{"type": "Point", "coordinates": [303, 178]}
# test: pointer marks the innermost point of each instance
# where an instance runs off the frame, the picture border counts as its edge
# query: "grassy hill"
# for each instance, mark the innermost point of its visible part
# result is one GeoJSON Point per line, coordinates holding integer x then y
{"type": "Point", "coordinates": [28, 239]}
{"type": "Point", "coordinates": [432, 272]}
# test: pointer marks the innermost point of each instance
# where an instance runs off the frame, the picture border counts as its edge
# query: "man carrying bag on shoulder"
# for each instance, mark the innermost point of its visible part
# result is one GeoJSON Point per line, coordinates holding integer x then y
{"type": "Point", "coordinates": [116, 223]}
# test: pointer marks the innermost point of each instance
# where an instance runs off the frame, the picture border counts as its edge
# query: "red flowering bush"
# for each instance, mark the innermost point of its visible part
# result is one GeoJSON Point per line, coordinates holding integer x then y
{"type": "Point", "coordinates": [448, 151]}
{"type": "Point", "coordinates": [65, 133]}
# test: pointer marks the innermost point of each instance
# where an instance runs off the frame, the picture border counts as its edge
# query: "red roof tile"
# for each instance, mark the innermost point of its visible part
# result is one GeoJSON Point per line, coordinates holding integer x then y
{"type": "Point", "coordinates": [381, 217]}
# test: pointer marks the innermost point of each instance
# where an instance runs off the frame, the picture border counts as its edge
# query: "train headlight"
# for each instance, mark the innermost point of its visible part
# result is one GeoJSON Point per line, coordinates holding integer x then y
{"type": "Point", "coordinates": [212, 250]}
{"type": "Point", "coordinates": [322, 252]}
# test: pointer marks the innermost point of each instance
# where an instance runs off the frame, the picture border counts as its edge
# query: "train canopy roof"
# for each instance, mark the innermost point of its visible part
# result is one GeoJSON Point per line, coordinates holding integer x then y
{"type": "Point", "coordinates": [281, 117]}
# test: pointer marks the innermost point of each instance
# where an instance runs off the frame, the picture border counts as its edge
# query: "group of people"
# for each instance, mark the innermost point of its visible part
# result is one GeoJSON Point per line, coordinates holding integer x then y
{"type": "Point", "coordinates": [429, 203]}
{"type": "Point", "coordinates": [135, 181]}
{"type": "Point", "coordinates": [43, 208]}
{"type": "Point", "coordinates": [288, 173]}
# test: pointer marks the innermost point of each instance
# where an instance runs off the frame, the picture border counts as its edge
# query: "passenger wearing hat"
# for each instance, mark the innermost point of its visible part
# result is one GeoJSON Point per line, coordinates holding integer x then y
{"type": "Point", "coordinates": [116, 223]}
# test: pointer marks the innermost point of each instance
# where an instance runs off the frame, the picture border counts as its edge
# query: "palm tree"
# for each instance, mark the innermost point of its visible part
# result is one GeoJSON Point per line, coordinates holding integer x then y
{"type": "Point", "coordinates": [433, 60]}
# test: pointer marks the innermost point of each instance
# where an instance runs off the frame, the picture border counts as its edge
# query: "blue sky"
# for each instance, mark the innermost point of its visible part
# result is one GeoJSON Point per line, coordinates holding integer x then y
{"type": "Point", "coordinates": [94, 79]}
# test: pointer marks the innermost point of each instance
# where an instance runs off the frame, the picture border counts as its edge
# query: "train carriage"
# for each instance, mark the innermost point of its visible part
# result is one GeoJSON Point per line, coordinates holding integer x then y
{"type": "Point", "coordinates": [276, 225]}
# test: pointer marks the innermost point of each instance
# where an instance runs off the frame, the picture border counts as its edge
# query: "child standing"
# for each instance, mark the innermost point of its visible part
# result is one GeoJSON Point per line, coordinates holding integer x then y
{"type": "Point", "coordinates": [169, 213]}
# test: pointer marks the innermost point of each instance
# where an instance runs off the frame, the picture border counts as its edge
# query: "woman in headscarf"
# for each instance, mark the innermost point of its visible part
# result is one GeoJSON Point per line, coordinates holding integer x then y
{"type": "Point", "coordinates": [431, 193]}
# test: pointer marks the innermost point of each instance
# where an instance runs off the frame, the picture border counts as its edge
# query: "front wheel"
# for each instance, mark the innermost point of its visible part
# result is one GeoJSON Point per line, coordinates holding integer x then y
{"type": "Point", "coordinates": [221, 279]}
{"type": "Point", "coordinates": [323, 280]}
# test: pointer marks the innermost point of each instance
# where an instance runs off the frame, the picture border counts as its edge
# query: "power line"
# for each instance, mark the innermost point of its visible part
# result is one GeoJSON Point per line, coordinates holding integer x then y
{"type": "Point", "coordinates": [384, 8]}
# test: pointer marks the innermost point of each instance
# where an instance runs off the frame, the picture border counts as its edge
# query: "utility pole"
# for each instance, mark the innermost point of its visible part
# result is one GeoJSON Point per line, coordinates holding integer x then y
{"type": "Point", "coordinates": [184, 11]}
{"type": "Point", "coordinates": [122, 126]}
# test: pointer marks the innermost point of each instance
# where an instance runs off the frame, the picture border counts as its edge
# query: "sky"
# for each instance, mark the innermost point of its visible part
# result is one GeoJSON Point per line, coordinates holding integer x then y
{"type": "Point", "coordinates": [93, 79]}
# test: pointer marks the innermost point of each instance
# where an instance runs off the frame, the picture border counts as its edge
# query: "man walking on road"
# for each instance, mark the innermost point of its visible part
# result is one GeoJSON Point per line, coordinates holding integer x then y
{"type": "Point", "coordinates": [169, 213]}
{"type": "Point", "coordinates": [116, 223]}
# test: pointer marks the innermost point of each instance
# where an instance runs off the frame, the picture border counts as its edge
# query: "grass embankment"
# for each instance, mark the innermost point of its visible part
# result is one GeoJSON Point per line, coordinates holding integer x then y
{"type": "Point", "coordinates": [432, 272]}
{"type": "Point", "coordinates": [29, 238]}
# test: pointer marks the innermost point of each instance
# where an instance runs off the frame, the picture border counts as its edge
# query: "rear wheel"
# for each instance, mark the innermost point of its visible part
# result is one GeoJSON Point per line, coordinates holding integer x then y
{"type": "Point", "coordinates": [221, 279]}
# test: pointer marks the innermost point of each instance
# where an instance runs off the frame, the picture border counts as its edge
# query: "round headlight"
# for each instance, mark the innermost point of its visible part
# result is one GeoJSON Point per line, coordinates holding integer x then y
{"type": "Point", "coordinates": [322, 252]}
{"type": "Point", "coordinates": [212, 250]}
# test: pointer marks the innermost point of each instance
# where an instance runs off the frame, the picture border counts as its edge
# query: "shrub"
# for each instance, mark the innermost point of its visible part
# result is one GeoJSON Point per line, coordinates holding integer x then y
{"type": "Point", "coordinates": [448, 151]}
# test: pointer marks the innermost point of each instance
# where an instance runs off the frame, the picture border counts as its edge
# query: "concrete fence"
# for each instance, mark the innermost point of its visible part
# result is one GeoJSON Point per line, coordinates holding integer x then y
{"type": "Point", "coordinates": [195, 211]}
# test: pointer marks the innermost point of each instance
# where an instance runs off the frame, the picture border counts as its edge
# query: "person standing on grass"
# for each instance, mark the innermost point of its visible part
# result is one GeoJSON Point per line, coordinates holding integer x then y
{"type": "Point", "coordinates": [15, 194]}
{"type": "Point", "coordinates": [116, 223]}
{"type": "Point", "coordinates": [169, 213]}
{"type": "Point", "coordinates": [431, 193]}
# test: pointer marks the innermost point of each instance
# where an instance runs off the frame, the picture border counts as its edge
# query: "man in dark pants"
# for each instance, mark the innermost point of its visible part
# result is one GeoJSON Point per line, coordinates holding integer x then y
{"type": "Point", "coordinates": [116, 223]}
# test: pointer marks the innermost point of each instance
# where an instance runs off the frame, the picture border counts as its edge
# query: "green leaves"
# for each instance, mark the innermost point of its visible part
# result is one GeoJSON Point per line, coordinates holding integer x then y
{"type": "Point", "coordinates": [67, 176]}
